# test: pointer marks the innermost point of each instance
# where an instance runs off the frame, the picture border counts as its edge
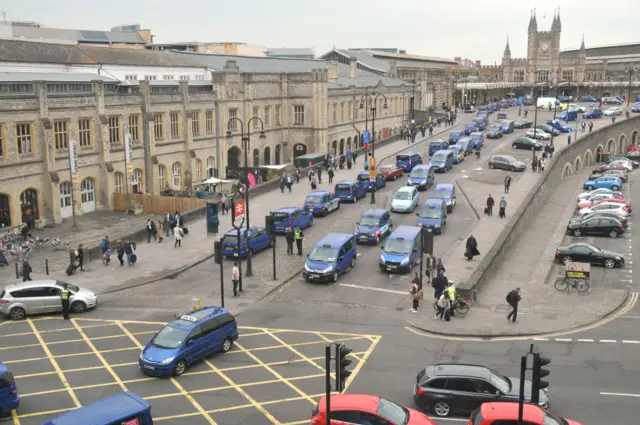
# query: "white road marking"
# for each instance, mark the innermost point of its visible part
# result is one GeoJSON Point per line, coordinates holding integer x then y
{"type": "Point", "coordinates": [585, 340]}
{"type": "Point", "coordinates": [621, 394]}
{"type": "Point", "coordinates": [541, 339]}
{"type": "Point", "coordinates": [563, 339]}
{"type": "Point", "coordinates": [391, 291]}
{"type": "Point", "coordinates": [630, 342]}
{"type": "Point", "coordinates": [630, 317]}
{"type": "Point", "coordinates": [608, 340]}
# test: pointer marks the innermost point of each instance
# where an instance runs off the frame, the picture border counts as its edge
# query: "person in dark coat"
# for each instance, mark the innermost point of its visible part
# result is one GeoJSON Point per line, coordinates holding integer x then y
{"type": "Point", "coordinates": [513, 298]}
{"type": "Point", "coordinates": [80, 251]}
{"type": "Point", "coordinates": [439, 284]}
{"type": "Point", "coordinates": [120, 251]}
{"type": "Point", "coordinates": [26, 271]}
{"type": "Point", "coordinates": [289, 237]}
{"type": "Point", "coordinates": [471, 248]}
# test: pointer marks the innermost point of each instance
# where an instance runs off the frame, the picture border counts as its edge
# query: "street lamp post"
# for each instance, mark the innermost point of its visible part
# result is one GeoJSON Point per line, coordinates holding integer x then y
{"type": "Point", "coordinates": [246, 145]}
{"type": "Point", "coordinates": [373, 133]}
{"type": "Point", "coordinates": [631, 70]}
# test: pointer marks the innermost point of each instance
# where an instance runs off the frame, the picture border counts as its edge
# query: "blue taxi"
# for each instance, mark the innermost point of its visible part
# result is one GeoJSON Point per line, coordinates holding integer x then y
{"type": "Point", "coordinates": [291, 217]}
{"type": "Point", "coordinates": [350, 190]}
{"type": "Point", "coordinates": [182, 342]}
{"type": "Point", "coordinates": [9, 398]}
{"type": "Point", "coordinates": [455, 135]}
{"type": "Point", "coordinates": [479, 122]}
{"type": "Point", "coordinates": [432, 216]}
{"type": "Point", "coordinates": [447, 192]}
{"type": "Point", "coordinates": [255, 239]}
{"type": "Point", "coordinates": [437, 145]}
{"type": "Point", "coordinates": [365, 179]}
{"type": "Point", "coordinates": [321, 202]}
{"type": "Point", "coordinates": [119, 409]}
{"type": "Point", "coordinates": [458, 153]}
{"type": "Point", "coordinates": [422, 176]}
{"type": "Point", "coordinates": [478, 140]}
{"type": "Point", "coordinates": [408, 160]}
{"type": "Point", "coordinates": [470, 128]}
{"type": "Point", "coordinates": [373, 225]}
{"type": "Point", "coordinates": [402, 250]}
{"type": "Point", "coordinates": [332, 256]}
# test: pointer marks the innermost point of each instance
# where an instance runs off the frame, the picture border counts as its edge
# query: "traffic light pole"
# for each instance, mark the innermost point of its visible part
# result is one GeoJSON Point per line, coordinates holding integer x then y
{"type": "Point", "coordinates": [421, 255]}
{"type": "Point", "coordinates": [273, 249]}
{"type": "Point", "coordinates": [523, 371]}
{"type": "Point", "coordinates": [222, 283]}
{"type": "Point", "coordinates": [327, 354]}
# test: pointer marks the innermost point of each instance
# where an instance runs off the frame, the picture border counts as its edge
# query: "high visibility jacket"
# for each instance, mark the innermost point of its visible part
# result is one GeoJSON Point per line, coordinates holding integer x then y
{"type": "Point", "coordinates": [451, 290]}
{"type": "Point", "coordinates": [64, 295]}
{"type": "Point", "coordinates": [298, 234]}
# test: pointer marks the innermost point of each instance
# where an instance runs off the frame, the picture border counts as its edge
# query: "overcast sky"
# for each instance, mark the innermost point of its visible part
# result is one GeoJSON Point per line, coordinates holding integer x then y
{"type": "Point", "coordinates": [469, 28]}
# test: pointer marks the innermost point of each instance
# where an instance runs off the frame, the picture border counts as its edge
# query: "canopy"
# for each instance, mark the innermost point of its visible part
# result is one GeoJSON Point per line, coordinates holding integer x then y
{"type": "Point", "coordinates": [213, 180]}
{"type": "Point", "coordinates": [275, 167]}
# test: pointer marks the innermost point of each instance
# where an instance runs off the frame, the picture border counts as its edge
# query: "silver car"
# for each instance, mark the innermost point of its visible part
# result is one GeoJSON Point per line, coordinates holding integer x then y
{"type": "Point", "coordinates": [42, 296]}
{"type": "Point", "coordinates": [405, 199]}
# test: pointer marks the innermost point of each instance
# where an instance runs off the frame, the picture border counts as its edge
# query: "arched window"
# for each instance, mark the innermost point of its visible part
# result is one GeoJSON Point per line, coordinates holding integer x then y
{"type": "Point", "coordinates": [118, 186]}
{"type": "Point", "coordinates": [198, 169]}
{"type": "Point", "coordinates": [267, 156]}
{"type": "Point", "coordinates": [278, 159]}
{"type": "Point", "coordinates": [256, 158]}
{"type": "Point", "coordinates": [211, 167]}
{"type": "Point", "coordinates": [136, 181]}
{"type": "Point", "coordinates": [176, 176]}
{"type": "Point", "coordinates": [162, 177]}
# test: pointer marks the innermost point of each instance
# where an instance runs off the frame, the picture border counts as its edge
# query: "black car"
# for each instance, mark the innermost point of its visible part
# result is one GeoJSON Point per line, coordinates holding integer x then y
{"type": "Point", "coordinates": [526, 143]}
{"type": "Point", "coordinates": [596, 226]}
{"type": "Point", "coordinates": [522, 124]}
{"type": "Point", "coordinates": [508, 163]}
{"type": "Point", "coordinates": [453, 388]}
{"type": "Point", "coordinates": [602, 214]}
{"type": "Point", "coordinates": [587, 253]}
{"type": "Point", "coordinates": [548, 129]}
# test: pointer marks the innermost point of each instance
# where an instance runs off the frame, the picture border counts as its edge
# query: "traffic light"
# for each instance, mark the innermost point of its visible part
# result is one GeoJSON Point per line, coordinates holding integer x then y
{"type": "Point", "coordinates": [538, 373]}
{"type": "Point", "coordinates": [341, 366]}
{"type": "Point", "coordinates": [217, 252]}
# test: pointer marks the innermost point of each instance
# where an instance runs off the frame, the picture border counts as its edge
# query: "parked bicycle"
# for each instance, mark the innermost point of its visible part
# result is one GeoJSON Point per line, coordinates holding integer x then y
{"type": "Point", "coordinates": [461, 305]}
{"type": "Point", "coordinates": [564, 283]}
{"type": "Point", "coordinates": [38, 243]}
{"type": "Point", "coordinates": [58, 245]}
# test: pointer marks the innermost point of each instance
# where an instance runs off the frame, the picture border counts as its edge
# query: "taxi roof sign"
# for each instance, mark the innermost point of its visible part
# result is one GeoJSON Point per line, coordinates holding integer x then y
{"type": "Point", "coordinates": [189, 318]}
{"type": "Point", "coordinates": [326, 245]}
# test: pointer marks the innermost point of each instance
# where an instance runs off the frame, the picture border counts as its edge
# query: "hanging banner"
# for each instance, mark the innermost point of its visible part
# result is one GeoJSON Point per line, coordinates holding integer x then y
{"type": "Point", "coordinates": [73, 162]}
{"type": "Point", "coordinates": [128, 154]}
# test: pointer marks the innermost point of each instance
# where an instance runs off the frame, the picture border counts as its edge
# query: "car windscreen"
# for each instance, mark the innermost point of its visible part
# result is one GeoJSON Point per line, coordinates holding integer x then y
{"type": "Point", "coordinates": [343, 187]}
{"type": "Point", "coordinates": [402, 195]}
{"type": "Point", "coordinates": [72, 288]}
{"type": "Point", "coordinates": [369, 221]}
{"type": "Point", "coordinates": [169, 337]}
{"type": "Point", "coordinates": [439, 157]}
{"type": "Point", "coordinates": [403, 157]}
{"type": "Point", "coordinates": [363, 178]}
{"type": "Point", "coordinates": [280, 217]}
{"type": "Point", "coordinates": [502, 383]}
{"type": "Point", "coordinates": [494, 128]}
{"type": "Point", "coordinates": [394, 412]}
{"type": "Point", "coordinates": [435, 144]}
{"type": "Point", "coordinates": [398, 246]}
{"type": "Point", "coordinates": [232, 236]}
{"type": "Point", "coordinates": [419, 173]}
{"type": "Point", "coordinates": [323, 254]}
{"type": "Point", "coordinates": [441, 193]}
{"type": "Point", "coordinates": [7, 380]}
{"type": "Point", "coordinates": [427, 212]}
{"type": "Point", "coordinates": [561, 122]}
{"type": "Point", "coordinates": [314, 199]}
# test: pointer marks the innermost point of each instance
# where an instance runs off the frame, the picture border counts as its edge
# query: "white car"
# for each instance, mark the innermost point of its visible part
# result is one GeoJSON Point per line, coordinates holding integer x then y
{"type": "Point", "coordinates": [405, 199]}
{"type": "Point", "coordinates": [585, 195]}
{"type": "Point", "coordinates": [627, 165]}
{"type": "Point", "coordinates": [612, 207]}
{"type": "Point", "coordinates": [595, 198]}
{"type": "Point", "coordinates": [616, 110]}
{"type": "Point", "coordinates": [536, 133]}
{"type": "Point", "coordinates": [575, 107]}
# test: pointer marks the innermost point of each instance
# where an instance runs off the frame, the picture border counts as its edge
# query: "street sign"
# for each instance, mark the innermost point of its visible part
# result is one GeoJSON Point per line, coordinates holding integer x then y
{"type": "Point", "coordinates": [238, 209]}
{"type": "Point", "coordinates": [372, 163]}
{"type": "Point", "coordinates": [372, 174]}
{"type": "Point", "coordinates": [366, 146]}
{"type": "Point", "coordinates": [366, 136]}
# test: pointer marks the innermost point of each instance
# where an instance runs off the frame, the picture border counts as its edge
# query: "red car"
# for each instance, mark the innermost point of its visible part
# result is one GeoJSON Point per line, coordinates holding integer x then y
{"type": "Point", "coordinates": [366, 409]}
{"type": "Point", "coordinates": [506, 413]}
{"type": "Point", "coordinates": [391, 172]}
{"type": "Point", "coordinates": [614, 200]}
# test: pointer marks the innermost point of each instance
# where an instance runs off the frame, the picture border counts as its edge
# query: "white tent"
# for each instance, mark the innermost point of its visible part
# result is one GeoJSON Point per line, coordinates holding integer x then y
{"type": "Point", "coordinates": [213, 180]}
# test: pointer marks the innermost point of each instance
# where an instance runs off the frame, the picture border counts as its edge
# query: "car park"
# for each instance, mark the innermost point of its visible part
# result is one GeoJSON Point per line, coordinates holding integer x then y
{"type": "Point", "coordinates": [593, 113]}
{"type": "Point", "coordinates": [495, 132]}
{"type": "Point", "coordinates": [192, 337]}
{"type": "Point", "coordinates": [292, 217]}
{"type": "Point", "coordinates": [611, 101]}
{"type": "Point", "coordinates": [402, 250]}
{"type": "Point", "coordinates": [351, 409]}
{"type": "Point", "coordinates": [621, 174]}
{"type": "Point", "coordinates": [505, 162]}
{"type": "Point", "coordinates": [502, 413]}
{"type": "Point", "coordinates": [606, 182]}
{"type": "Point", "coordinates": [455, 135]}
{"type": "Point", "coordinates": [405, 199]}
{"type": "Point", "coordinates": [614, 207]}
{"type": "Point", "coordinates": [616, 110]}
{"type": "Point", "coordinates": [559, 125]}
{"type": "Point", "coordinates": [587, 253]}
{"type": "Point", "coordinates": [548, 129]}
{"type": "Point", "coordinates": [526, 143]}
{"type": "Point", "coordinates": [254, 239]}
{"type": "Point", "coordinates": [454, 388]}
{"type": "Point", "coordinates": [332, 256]}
{"type": "Point", "coordinates": [373, 225]}
{"type": "Point", "coordinates": [432, 215]}
{"type": "Point", "coordinates": [478, 140]}
{"type": "Point", "coordinates": [470, 128]}
{"type": "Point", "coordinates": [447, 192]}
{"type": "Point", "coordinates": [535, 133]}
{"type": "Point", "coordinates": [365, 178]}
{"type": "Point", "coordinates": [350, 190]}
{"type": "Point", "coordinates": [19, 300]}
{"type": "Point", "coordinates": [442, 161]}
{"type": "Point", "coordinates": [321, 202]}
{"type": "Point", "coordinates": [391, 172]}
{"type": "Point", "coordinates": [423, 176]}
{"type": "Point", "coordinates": [408, 160]}
{"type": "Point", "coordinates": [585, 195]}
{"type": "Point", "coordinates": [458, 153]}
{"type": "Point", "coordinates": [522, 124]}
{"type": "Point", "coordinates": [9, 398]}
{"type": "Point", "coordinates": [595, 226]}
{"type": "Point", "coordinates": [606, 214]}
{"type": "Point", "coordinates": [437, 145]}
{"type": "Point", "coordinates": [507, 126]}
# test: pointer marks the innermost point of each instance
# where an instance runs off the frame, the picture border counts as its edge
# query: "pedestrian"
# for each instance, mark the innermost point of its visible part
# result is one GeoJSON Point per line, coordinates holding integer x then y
{"type": "Point", "coordinates": [526, 111]}
{"type": "Point", "coordinates": [80, 256]}
{"type": "Point", "coordinates": [151, 231]}
{"type": "Point", "coordinates": [120, 250]}
{"type": "Point", "coordinates": [503, 207]}
{"type": "Point", "coordinates": [65, 295]}
{"type": "Point", "coordinates": [299, 236]}
{"type": "Point", "coordinates": [319, 175]}
{"type": "Point", "coordinates": [310, 175]}
{"type": "Point", "coordinates": [104, 244]}
{"type": "Point", "coordinates": [551, 151]}
{"type": "Point", "coordinates": [128, 250]}
{"type": "Point", "coordinates": [490, 203]}
{"type": "Point", "coordinates": [441, 304]}
{"type": "Point", "coordinates": [106, 258]}
{"type": "Point", "coordinates": [26, 271]}
{"type": "Point", "coordinates": [402, 134]}
{"type": "Point", "coordinates": [430, 130]}
{"type": "Point", "coordinates": [439, 284]}
{"type": "Point", "coordinates": [584, 126]}
{"type": "Point", "coordinates": [471, 248]}
{"type": "Point", "coordinates": [177, 219]}
{"type": "Point", "coordinates": [541, 164]}
{"type": "Point", "coordinates": [431, 267]}
{"type": "Point", "coordinates": [288, 181]}
{"type": "Point", "coordinates": [282, 180]}
{"type": "Point", "coordinates": [297, 171]}
{"type": "Point", "coordinates": [289, 237]}
{"type": "Point", "coordinates": [451, 296]}
{"type": "Point", "coordinates": [168, 219]}
{"type": "Point", "coordinates": [160, 230]}
{"type": "Point", "coordinates": [590, 126]}
{"type": "Point", "coordinates": [179, 234]}
{"type": "Point", "coordinates": [569, 139]}
{"type": "Point", "coordinates": [507, 183]}
{"type": "Point", "coordinates": [355, 155]}
{"type": "Point", "coordinates": [235, 278]}
{"type": "Point", "coordinates": [314, 183]}
{"type": "Point", "coordinates": [223, 210]}
{"type": "Point", "coordinates": [415, 296]}
{"type": "Point", "coordinates": [613, 119]}
{"type": "Point", "coordinates": [440, 267]}
{"type": "Point", "coordinates": [331, 174]}
{"type": "Point", "coordinates": [513, 298]}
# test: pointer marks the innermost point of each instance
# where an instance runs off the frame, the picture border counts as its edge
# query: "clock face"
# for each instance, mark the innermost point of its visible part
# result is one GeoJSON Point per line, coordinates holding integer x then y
{"type": "Point", "coordinates": [544, 47]}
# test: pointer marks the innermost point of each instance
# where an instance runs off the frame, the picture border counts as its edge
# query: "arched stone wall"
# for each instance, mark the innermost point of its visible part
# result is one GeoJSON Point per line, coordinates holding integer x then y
{"type": "Point", "coordinates": [588, 158]}
{"type": "Point", "coordinates": [599, 150]}
{"type": "Point", "coordinates": [567, 170]}
{"type": "Point", "coordinates": [623, 143]}
{"type": "Point", "coordinates": [635, 136]}
{"type": "Point", "coordinates": [577, 164]}
{"type": "Point", "coordinates": [611, 146]}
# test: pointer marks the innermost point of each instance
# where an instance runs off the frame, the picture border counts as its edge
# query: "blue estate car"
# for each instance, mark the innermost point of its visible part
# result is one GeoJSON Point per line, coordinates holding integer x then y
{"type": "Point", "coordinates": [593, 113]}
{"type": "Point", "coordinates": [373, 225]}
{"type": "Point", "coordinates": [559, 125]}
{"type": "Point", "coordinates": [432, 216]}
{"type": "Point", "coordinates": [321, 202]}
{"type": "Point", "coordinates": [604, 182]}
{"type": "Point", "coordinates": [470, 128]}
{"type": "Point", "coordinates": [255, 239]}
{"type": "Point", "coordinates": [350, 190]}
{"type": "Point", "coordinates": [365, 179]}
{"type": "Point", "coordinates": [9, 398]}
{"type": "Point", "coordinates": [455, 136]}
{"type": "Point", "coordinates": [291, 217]}
{"type": "Point", "coordinates": [182, 342]}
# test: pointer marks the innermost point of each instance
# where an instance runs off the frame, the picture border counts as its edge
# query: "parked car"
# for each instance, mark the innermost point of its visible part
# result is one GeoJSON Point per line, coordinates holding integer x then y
{"type": "Point", "coordinates": [597, 226]}
{"type": "Point", "coordinates": [495, 132]}
{"type": "Point", "coordinates": [626, 164]}
{"type": "Point", "coordinates": [522, 124]}
{"type": "Point", "coordinates": [587, 253]}
{"type": "Point", "coordinates": [254, 239]}
{"type": "Point", "coordinates": [535, 133]}
{"type": "Point", "coordinates": [616, 110]}
{"type": "Point", "coordinates": [548, 129]}
{"type": "Point", "coordinates": [9, 398]}
{"type": "Point", "coordinates": [585, 195]}
{"type": "Point", "coordinates": [605, 214]}
{"type": "Point", "coordinates": [571, 107]}
{"type": "Point", "coordinates": [593, 113]}
{"type": "Point", "coordinates": [589, 99]}
{"type": "Point", "coordinates": [526, 143]}
{"type": "Point", "coordinates": [508, 413]}
{"type": "Point", "coordinates": [598, 197]}
{"type": "Point", "coordinates": [610, 166]}
{"type": "Point", "coordinates": [559, 125]}
{"type": "Point", "coordinates": [505, 162]}
{"type": "Point", "coordinates": [611, 101]}
{"type": "Point", "coordinates": [635, 107]}
{"type": "Point", "coordinates": [593, 204]}
{"type": "Point", "coordinates": [391, 172]}
{"type": "Point", "coordinates": [607, 182]}
{"type": "Point", "coordinates": [613, 207]}
{"type": "Point", "coordinates": [622, 174]}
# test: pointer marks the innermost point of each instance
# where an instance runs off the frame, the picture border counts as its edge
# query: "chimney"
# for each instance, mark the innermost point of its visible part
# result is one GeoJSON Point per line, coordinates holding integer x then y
{"type": "Point", "coordinates": [353, 67]}
{"type": "Point", "coordinates": [333, 71]}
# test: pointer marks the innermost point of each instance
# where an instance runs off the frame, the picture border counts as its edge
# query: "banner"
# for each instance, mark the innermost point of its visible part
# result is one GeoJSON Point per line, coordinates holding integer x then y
{"type": "Point", "coordinates": [73, 162]}
{"type": "Point", "coordinates": [128, 154]}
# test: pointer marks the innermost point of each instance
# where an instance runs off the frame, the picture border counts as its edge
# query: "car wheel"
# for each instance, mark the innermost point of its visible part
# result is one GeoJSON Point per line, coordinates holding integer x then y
{"type": "Point", "coordinates": [589, 187]}
{"type": "Point", "coordinates": [614, 187]}
{"type": "Point", "coordinates": [442, 409]}
{"type": "Point", "coordinates": [577, 232]}
{"type": "Point", "coordinates": [355, 199]}
{"type": "Point", "coordinates": [513, 145]}
{"type": "Point", "coordinates": [567, 260]}
{"type": "Point", "coordinates": [353, 263]}
{"type": "Point", "coordinates": [18, 313]}
{"type": "Point", "coordinates": [613, 234]}
{"type": "Point", "coordinates": [181, 366]}
{"type": "Point", "coordinates": [311, 222]}
{"type": "Point", "coordinates": [226, 345]}
{"type": "Point", "coordinates": [78, 307]}
{"type": "Point", "coordinates": [609, 263]}
{"type": "Point", "coordinates": [512, 168]}
{"type": "Point", "coordinates": [335, 277]}
{"type": "Point", "coordinates": [491, 165]}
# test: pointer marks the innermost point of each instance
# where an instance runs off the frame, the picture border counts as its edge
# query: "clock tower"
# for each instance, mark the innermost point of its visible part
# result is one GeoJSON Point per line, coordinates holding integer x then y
{"type": "Point", "coordinates": [543, 51]}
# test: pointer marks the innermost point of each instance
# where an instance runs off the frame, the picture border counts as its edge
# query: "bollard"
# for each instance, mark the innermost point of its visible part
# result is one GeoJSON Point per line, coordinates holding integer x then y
{"type": "Point", "coordinates": [46, 266]}
{"type": "Point", "coordinates": [17, 271]}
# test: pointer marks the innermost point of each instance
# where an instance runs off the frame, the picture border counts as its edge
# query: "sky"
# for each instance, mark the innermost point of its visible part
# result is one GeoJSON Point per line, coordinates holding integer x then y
{"type": "Point", "coordinates": [471, 29]}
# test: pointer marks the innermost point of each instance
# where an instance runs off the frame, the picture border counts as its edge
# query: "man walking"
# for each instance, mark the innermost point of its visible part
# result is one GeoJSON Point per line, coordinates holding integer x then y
{"type": "Point", "coordinates": [120, 250]}
{"type": "Point", "coordinates": [431, 267]}
{"type": "Point", "coordinates": [513, 298]}
{"type": "Point", "coordinates": [104, 244]}
{"type": "Point", "coordinates": [569, 139]}
{"type": "Point", "coordinates": [178, 233]}
{"type": "Point", "coordinates": [319, 175]}
{"type": "Point", "coordinates": [415, 296]}
{"type": "Point", "coordinates": [507, 183]}
{"type": "Point", "coordinates": [331, 174]}
{"type": "Point", "coordinates": [64, 299]}
{"type": "Point", "coordinates": [235, 278]}
{"type": "Point", "coordinates": [168, 219]}
{"type": "Point", "coordinates": [490, 203]}
{"type": "Point", "coordinates": [590, 126]}
{"type": "Point", "coordinates": [26, 271]}
{"type": "Point", "coordinates": [289, 238]}
{"type": "Point", "coordinates": [151, 231]}
{"type": "Point", "coordinates": [298, 235]}
{"type": "Point", "coordinates": [80, 256]}
{"type": "Point", "coordinates": [503, 207]}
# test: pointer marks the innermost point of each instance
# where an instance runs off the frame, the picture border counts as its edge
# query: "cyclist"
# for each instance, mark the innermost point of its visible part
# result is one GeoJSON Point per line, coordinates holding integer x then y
{"type": "Point", "coordinates": [451, 293]}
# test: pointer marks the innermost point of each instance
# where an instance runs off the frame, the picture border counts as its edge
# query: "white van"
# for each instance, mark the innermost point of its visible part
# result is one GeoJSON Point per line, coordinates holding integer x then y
{"type": "Point", "coordinates": [543, 102]}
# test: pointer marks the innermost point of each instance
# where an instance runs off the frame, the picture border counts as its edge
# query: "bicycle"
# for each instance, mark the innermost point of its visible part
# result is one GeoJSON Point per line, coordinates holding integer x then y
{"type": "Point", "coordinates": [461, 305]}
{"type": "Point", "coordinates": [563, 284]}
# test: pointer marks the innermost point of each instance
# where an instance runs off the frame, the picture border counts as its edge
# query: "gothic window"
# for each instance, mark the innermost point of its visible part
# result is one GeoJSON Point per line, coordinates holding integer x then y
{"type": "Point", "coordinates": [567, 74]}
{"type": "Point", "coordinates": [543, 76]}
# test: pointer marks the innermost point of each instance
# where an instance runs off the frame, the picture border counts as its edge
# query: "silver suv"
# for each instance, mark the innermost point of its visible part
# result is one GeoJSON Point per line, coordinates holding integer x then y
{"type": "Point", "coordinates": [42, 296]}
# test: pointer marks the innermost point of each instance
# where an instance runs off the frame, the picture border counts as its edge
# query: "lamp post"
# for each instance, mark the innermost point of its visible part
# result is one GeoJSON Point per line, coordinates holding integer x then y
{"type": "Point", "coordinates": [631, 70]}
{"type": "Point", "coordinates": [246, 145]}
{"type": "Point", "coordinates": [373, 135]}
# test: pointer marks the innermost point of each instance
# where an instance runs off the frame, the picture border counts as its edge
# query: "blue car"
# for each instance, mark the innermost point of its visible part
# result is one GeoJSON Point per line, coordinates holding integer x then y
{"type": "Point", "coordinates": [402, 250]}
{"type": "Point", "coordinates": [480, 124]}
{"type": "Point", "coordinates": [432, 216]}
{"type": "Point", "coordinates": [458, 153]}
{"type": "Point", "coordinates": [373, 226]}
{"type": "Point", "coordinates": [568, 116]}
{"type": "Point", "coordinates": [350, 190]}
{"type": "Point", "coordinates": [332, 256]}
{"type": "Point", "coordinates": [365, 179]}
{"type": "Point", "coordinates": [593, 113]}
{"type": "Point", "coordinates": [422, 176]}
{"type": "Point", "coordinates": [589, 99]}
{"type": "Point", "coordinates": [321, 202]}
{"type": "Point", "coordinates": [408, 160]}
{"type": "Point", "coordinates": [635, 107]}
{"type": "Point", "coordinates": [443, 161]}
{"type": "Point", "coordinates": [188, 339]}
{"type": "Point", "coordinates": [495, 132]}
{"type": "Point", "coordinates": [9, 398]}
{"type": "Point", "coordinates": [467, 144]}
{"type": "Point", "coordinates": [455, 136]}
{"type": "Point", "coordinates": [436, 146]}
{"type": "Point", "coordinates": [124, 408]}
{"type": "Point", "coordinates": [606, 182]}
{"type": "Point", "coordinates": [446, 192]}
{"type": "Point", "coordinates": [255, 239]}
{"type": "Point", "coordinates": [478, 140]}
{"type": "Point", "coordinates": [470, 128]}
{"type": "Point", "coordinates": [291, 217]}
{"type": "Point", "coordinates": [559, 125]}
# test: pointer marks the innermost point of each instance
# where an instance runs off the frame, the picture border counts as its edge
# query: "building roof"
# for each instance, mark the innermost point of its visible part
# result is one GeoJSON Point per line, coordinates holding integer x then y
{"type": "Point", "coordinates": [252, 64]}
{"type": "Point", "coordinates": [363, 79]}
{"type": "Point", "coordinates": [611, 50]}
{"type": "Point", "coordinates": [405, 56]}
{"type": "Point", "coordinates": [285, 51]}
{"type": "Point", "coordinates": [364, 57]}
{"type": "Point", "coordinates": [28, 77]}
{"type": "Point", "coordinates": [81, 36]}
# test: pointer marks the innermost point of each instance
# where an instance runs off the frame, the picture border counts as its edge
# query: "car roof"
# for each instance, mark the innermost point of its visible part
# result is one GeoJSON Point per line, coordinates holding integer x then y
{"type": "Point", "coordinates": [3, 369]}
{"type": "Point", "coordinates": [193, 318]}
{"type": "Point", "coordinates": [318, 192]}
{"type": "Point", "coordinates": [346, 182]}
{"type": "Point", "coordinates": [286, 209]}
{"type": "Point", "coordinates": [445, 186]}
{"type": "Point", "coordinates": [425, 166]}
{"type": "Point", "coordinates": [457, 369]}
{"type": "Point", "coordinates": [476, 133]}
{"type": "Point", "coordinates": [30, 284]}
{"type": "Point", "coordinates": [407, 153]}
{"type": "Point", "coordinates": [433, 202]}
{"type": "Point", "coordinates": [406, 189]}
{"type": "Point", "coordinates": [334, 240]}
{"type": "Point", "coordinates": [103, 411]}
{"type": "Point", "coordinates": [376, 212]}
{"type": "Point", "coordinates": [456, 131]}
{"type": "Point", "coordinates": [362, 402]}
{"type": "Point", "coordinates": [509, 411]}
{"type": "Point", "coordinates": [405, 232]}
{"type": "Point", "coordinates": [442, 152]}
